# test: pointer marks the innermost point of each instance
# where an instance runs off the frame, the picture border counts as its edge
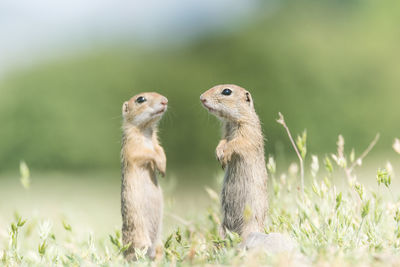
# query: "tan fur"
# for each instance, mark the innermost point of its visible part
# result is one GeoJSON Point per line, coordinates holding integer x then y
{"type": "Point", "coordinates": [141, 157]}
{"type": "Point", "coordinates": [241, 154]}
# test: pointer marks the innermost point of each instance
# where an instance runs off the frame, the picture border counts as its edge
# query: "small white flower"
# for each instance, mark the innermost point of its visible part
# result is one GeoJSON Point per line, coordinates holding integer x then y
{"type": "Point", "coordinates": [314, 166]}
{"type": "Point", "coordinates": [352, 155]}
{"type": "Point", "coordinates": [211, 193]}
{"type": "Point", "coordinates": [389, 168]}
{"type": "Point", "coordinates": [92, 248]}
{"type": "Point", "coordinates": [391, 208]}
{"type": "Point", "coordinates": [281, 119]}
{"type": "Point", "coordinates": [323, 187]}
{"type": "Point", "coordinates": [293, 169]}
{"type": "Point", "coordinates": [340, 144]}
{"type": "Point", "coordinates": [107, 252]}
{"type": "Point", "coordinates": [340, 160]}
{"type": "Point", "coordinates": [396, 145]}
{"type": "Point", "coordinates": [25, 175]}
{"type": "Point", "coordinates": [33, 257]}
{"type": "Point", "coordinates": [352, 180]}
{"type": "Point", "coordinates": [271, 165]}
{"type": "Point", "coordinates": [283, 178]}
{"type": "Point", "coordinates": [203, 247]}
{"type": "Point", "coordinates": [44, 229]}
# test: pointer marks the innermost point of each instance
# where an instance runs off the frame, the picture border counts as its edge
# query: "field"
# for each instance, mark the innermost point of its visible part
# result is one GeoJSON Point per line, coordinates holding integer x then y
{"type": "Point", "coordinates": [337, 221]}
{"type": "Point", "coordinates": [331, 67]}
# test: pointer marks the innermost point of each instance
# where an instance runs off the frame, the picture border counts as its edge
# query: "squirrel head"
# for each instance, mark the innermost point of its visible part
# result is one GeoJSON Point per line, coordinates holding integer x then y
{"type": "Point", "coordinates": [144, 109]}
{"type": "Point", "coordinates": [228, 102]}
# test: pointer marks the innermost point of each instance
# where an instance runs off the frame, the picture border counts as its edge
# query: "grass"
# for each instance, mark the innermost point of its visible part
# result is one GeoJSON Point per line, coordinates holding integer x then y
{"type": "Point", "coordinates": [337, 221]}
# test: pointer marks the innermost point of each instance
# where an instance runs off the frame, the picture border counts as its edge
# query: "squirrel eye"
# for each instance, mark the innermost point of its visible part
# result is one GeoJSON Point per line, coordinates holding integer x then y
{"type": "Point", "coordinates": [226, 91]}
{"type": "Point", "coordinates": [141, 99]}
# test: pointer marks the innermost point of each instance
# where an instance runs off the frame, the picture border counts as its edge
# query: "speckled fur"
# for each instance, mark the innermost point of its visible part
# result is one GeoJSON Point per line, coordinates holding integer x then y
{"type": "Point", "coordinates": [241, 153]}
{"type": "Point", "coordinates": [141, 158]}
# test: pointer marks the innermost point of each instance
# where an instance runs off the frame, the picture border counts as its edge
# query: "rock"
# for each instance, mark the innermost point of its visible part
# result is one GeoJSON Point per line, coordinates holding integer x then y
{"type": "Point", "coordinates": [272, 243]}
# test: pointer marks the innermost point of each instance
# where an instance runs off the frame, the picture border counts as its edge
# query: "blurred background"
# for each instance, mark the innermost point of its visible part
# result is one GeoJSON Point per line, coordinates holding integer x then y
{"type": "Point", "coordinates": [331, 67]}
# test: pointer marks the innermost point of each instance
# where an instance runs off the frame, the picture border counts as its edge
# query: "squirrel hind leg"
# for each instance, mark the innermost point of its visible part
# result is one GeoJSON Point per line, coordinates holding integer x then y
{"type": "Point", "coordinates": [130, 254]}
{"type": "Point", "coordinates": [151, 253]}
{"type": "Point", "coordinates": [136, 244]}
{"type": "Point", "coordinates": [222, 231]}
{"type": "Point", "coordinates": [156, 251]}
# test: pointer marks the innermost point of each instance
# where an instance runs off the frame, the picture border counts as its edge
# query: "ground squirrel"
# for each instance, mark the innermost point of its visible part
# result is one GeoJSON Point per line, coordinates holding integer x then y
{"type": "Point", "coordinates": [241, 154]}
{"type": "Point", "coordinates": [141, 158]}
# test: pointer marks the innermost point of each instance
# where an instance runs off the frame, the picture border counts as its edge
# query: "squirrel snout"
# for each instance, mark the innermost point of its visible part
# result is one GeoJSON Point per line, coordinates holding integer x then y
{"type": "Point", "coordinates": [202, 99]}
{"type": "Point", "coordinates": [164, 102]}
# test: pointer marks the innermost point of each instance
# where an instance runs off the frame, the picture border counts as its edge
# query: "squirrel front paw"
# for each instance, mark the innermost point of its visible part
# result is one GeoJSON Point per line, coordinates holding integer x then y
{"type": "Point", "coordinates": [220, 156]}
{"type": "Point", "coordinates": [161, 160]}
{"type": "Point", "coordinates": [222, 153]}
{"type": "Point", "coordinates": [161, 167]}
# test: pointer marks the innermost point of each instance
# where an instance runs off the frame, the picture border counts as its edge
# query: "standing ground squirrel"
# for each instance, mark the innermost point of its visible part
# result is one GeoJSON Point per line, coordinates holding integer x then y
{"type": "Point", "coordinates": [241, 154]}
{"type": "Point", "coordinates": [141, 157]}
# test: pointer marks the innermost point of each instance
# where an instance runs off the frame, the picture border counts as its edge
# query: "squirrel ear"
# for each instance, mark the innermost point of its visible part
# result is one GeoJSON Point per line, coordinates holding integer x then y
{"type": "Point", "coordinates": [125, 108]}
{"type": "Point", "coordinates": [249, 99]}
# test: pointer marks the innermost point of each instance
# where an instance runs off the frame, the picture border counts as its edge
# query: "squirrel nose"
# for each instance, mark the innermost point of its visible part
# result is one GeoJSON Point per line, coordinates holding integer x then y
{"type": "Point", "coordinates": [164, 101]}
{"type": "Point", "coordinates": [202, 99]}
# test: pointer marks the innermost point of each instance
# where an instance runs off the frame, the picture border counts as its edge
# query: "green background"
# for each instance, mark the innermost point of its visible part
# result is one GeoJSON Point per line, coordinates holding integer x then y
{"type": "Point", "coordinates": [332, 67]}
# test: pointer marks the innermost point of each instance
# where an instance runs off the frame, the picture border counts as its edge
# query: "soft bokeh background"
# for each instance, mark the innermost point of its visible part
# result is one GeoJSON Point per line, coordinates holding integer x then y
{"type": "Point", "coordinates": [66, 67]}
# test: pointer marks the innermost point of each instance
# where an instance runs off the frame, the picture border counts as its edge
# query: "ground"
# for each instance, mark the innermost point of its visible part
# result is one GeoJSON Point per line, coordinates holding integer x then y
{"type": "Point", "coordinates": [74, 219]}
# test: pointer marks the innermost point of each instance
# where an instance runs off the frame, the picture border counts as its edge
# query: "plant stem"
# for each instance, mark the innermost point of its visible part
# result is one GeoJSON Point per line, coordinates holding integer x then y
{"type": "Point", "coordinates": [179, 219]}
{"type": "Point", "coordinates": [281, 120]}
{"type": "Point", "coordinates": [348, 170]}
{"type": "Point", "coordinates": [358, 232]}
{"type": "Point", "coordinates": [365, 153]}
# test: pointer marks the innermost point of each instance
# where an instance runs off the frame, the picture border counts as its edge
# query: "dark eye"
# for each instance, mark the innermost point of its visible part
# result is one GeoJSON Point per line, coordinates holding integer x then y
{"type": "Point", "coordinates": [226, 91]}
{"type": "Point", "coordinates": [141, 99]}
